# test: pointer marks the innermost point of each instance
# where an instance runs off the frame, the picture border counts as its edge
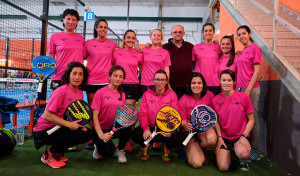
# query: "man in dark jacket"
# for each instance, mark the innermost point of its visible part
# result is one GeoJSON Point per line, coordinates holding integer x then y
{"type": "Point", "coordinates": [181, 60]}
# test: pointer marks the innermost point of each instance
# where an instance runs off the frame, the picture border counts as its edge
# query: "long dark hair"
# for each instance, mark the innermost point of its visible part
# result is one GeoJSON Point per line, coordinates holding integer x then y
{"type": "Point", "coordinates": [246, 28]}
{"type": "Point", "coordinates": [70, 12]}
{"type": "Point", "coordinates": [124, 36]}
{"type": "Point", "coordinates": [229, 72]}
{"type": "Point", "coordinates": [189, 88]}
{"type": "Point", "coordinates": [96, 25]}
{"type": "Point", "coordinates": [66, 76]}
{"type": "Point", "coordinates": [111, 71]}
{"type": "Point", "coordinates": [232, 51]}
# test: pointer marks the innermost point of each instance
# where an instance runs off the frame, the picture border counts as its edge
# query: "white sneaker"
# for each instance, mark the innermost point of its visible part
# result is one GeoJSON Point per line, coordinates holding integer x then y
{"type": "Point", "coordinates": [121, 156]}
{"type": "Point", "coordinates": [96, 154]}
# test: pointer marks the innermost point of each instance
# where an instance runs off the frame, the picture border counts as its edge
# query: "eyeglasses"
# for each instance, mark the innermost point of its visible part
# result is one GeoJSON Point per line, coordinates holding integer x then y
{"type": "Point", "coordinates": [177, 32]}
{"type": "Point", "coordinates": [160, 80]}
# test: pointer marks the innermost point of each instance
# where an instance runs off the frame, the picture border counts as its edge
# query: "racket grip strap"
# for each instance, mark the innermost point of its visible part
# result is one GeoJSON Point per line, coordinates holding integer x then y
{"type": "Point", "coordinates": [49, 132]}
{"type": "Point", "coordinates": [40, 87]}
{"type": "Point", "coordinates": [150, 138]}
{"type": "Point", "coordinates": [188, 138]}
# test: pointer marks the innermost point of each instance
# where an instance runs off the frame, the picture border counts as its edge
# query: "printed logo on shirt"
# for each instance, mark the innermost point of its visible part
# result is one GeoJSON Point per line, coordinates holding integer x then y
{"type": "Point", "coordinates": [236, 103]}
{"type": "Point", "coordinates": [64, 39]}
{"type": "Point", "coordinates": [78, 40]}
{"type": "Point", "coordinates": [120, 54]}
{"type": "Point", "coordinates": [70, 100]}
{"type": "Point", "coordinates": [107, 97]}
{"type": "Point", "coordinates": [95, 46]}
{"type": "Point", "coordinates": [106, 46]}
{"type": "Point", "coordinates": [201, 49]}
{"type": "Point", "coordinates": [166, 103]}
{"type": "Point", "coordinates": [220, 104]}
{"type": "Point", "coordinates": [213, 49]}
{"type": "Point", "coordinates": [147, 54]}
{"type": "Point", "coordinates": [152, 101]}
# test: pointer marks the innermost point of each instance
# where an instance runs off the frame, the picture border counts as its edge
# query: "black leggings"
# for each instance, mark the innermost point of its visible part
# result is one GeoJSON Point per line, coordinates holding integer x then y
{"type": "Point", "coordinates": [107, 149]}
{"type": "Point", "coordinates": [173, 141]}
{"type": "Point", "coordinates": [61, 139]}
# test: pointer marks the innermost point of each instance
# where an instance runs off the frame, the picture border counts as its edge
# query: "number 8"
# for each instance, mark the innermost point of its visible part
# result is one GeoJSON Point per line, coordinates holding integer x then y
{"type": "Point", "coordinates": [90, 16]}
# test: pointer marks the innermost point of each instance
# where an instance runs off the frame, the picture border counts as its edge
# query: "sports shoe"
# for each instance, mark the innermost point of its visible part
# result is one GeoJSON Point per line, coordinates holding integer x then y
{"type": "Point", "coordinates": [96, 154]}
{"type": "Point", "coordinates": [72, 149]}
{"type": "Point", "coordinates": [166, 154]}
{"type": "Point", "coordinates": [121, 156]}
{"type": "Point", "coordinates": [129, 146]}
{"type": "Point", "coordinates": [62, 158]}
{"type": "Point", "coordinates": [145, 152]}
{"type": "Point", "coordinates": [243, 165]}
{"type": "Point", "coordinates": [90, 145]}
{"type": "Point", "coordinates": [156, 145]}
{"type": "Point", "coordinates": [52, 160]}
{"type": "Point", "coordinates": [254, 156]}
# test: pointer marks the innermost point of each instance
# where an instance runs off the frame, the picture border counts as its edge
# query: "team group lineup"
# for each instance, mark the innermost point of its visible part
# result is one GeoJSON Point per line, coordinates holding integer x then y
{"type": "Point", "coordinates": [222, 79]}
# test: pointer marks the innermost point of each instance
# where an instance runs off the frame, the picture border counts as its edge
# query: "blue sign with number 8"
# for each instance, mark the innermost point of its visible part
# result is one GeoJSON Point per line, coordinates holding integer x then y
{"type": "Point", "coordinates": [89, 16]}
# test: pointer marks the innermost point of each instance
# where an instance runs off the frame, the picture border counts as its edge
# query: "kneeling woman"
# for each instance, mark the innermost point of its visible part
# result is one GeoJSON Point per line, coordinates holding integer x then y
{"type": "Point", "coordinates": [106, 102]}
{"type": "Point", "coordinates": [71, 133]}
{"type": "Point", "coordinates": [197, 94]}
{"type": "Point", "coordinates": [153, 100]}
{"type": "Point", "coordinates": [236, 120]}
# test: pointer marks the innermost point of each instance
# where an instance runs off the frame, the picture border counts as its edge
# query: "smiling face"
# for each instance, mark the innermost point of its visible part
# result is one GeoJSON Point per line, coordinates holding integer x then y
{"type": "Point", "coordinates": [244, 36]}
{"type": "Point", "coordinates": [226, 82]}
{"type": "Point", "coordinates": [160, 81]}
{"type": "Point", "coordinates": [102, 29]}
{"type": "Point", "coordinates": [226, 46]}
{"type": "Point", "coordinates": [156, 37]}
{"type": "Point", "coordinates": [197, 85]}
{"type": "Point", "coordinates": [76, 77]}
{"type": "Point", "coordinates": [208, 32]}
{"type": "Point", "coordinates": [129, 40]}
{"type": "Point", "coordinates": [70, 22]}
{"type": "Point", "coordinates": [177, 33]}
{"type": "Point", "coordinates": [117, 78]}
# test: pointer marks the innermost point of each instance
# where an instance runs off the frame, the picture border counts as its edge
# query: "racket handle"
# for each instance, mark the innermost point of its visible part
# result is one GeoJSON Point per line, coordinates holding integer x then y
{"type": "Point", "coordinates": [188, 138]}
{"type": "Point", "coordinates": [40, 87]}
{"type": "Point", "coordinates": [150, 138]}
{"type": "Point", "coordinates": [49, 132]}
{"type": "Point", "coordinates": [112, 133]}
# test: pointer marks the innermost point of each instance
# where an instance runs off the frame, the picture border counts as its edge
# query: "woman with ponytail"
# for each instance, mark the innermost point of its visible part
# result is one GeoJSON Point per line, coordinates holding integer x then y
{"type": "Point", "coordinates": [106, 102]}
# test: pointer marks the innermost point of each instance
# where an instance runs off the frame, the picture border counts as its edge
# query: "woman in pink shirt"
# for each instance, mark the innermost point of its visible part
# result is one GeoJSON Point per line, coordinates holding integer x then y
{"type": "Point", "coordinates": [98, 52]}
{"type": "Point", "coordinates": [106, 102]}
{"type": "Point", "coordinates": [248, 71]}
{"type": "Point", "coordinates": [197, 94]}
{"type": "Point", "coordinates": [234, 124]}
{"type": "Point", "coordinates": [66, 46]}
{"type": "Point", "coordinates": [130, 59]}
{"type": "Point", "coordinates": [71, 133]}
{"type": "Point", "coordinates": [226, 60]}
{"type": "Point", "coordinates": [206, 55]}
{"type": "Point", "coordinates": [155, 58]}
{"type": "Point", "coordinates": [153, 100]}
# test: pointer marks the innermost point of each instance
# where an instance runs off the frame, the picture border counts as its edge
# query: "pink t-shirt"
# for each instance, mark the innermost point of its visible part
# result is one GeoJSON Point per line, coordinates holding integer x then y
{"type": "Point", "coordinates": [187, 103]}
{"type": "Point", "coordinates": [67, 48]}
{"type": "Point", "coordinates": [245, 62]}
{"type": "Point", "coordinates": [107, 102]}
{"type": "Point", "coordinates": [223, 62]}
{"type": "Point", "coordinates": [59, 100]}
{"type": "Point", "coordinates": [154, 59]}
{"type": "Point", "coordinates": [151, 104]}
{"type": "Point", "coordinates": [232, 113]}
{"type": "Point", "coordinates": [207, 62]}
{"type": "Point", "coordinates": [129, 60]}
{"type": "Point", "coordinates": [99, 55]}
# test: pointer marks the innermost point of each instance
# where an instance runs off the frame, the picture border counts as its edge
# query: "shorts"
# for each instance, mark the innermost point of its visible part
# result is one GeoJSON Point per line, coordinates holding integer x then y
{"type": "Point", "coordinates": [229, 143]}
{"type": "Point", "coordinates": [143, 89]}
{"type": "Point", "coordinates": [89, 88]}
{"type": "Point", "coordinates": [214, 89]}
{"type": "Point", "coordinates": [132, 91]}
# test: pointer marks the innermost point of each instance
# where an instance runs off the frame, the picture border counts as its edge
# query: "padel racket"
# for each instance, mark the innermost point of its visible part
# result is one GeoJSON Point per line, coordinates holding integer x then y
{"type": "Point", "coordinates": [203, 118]}
{"type": "Point", "coordinates": [43, 67]}
{"type": "Point", "coordinates": [125, 116]}
{"type": "Point", "coordinates": [78, 109]}
{"type": "Point", "coordinates": [167, 120]}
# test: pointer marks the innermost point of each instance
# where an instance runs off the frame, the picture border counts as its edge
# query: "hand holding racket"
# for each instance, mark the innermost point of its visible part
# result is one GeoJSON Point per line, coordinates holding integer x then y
{"type": "Point", "coordinates": [79, 111]}
{"type": "Point", "coordinates": [43, 67]}
{"type": "Point", "coordinates": [167, 120]}
{"type": "Point", "coordinates": [125, 116]}
{"type": "Point", "coordinates": [203, 118]}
